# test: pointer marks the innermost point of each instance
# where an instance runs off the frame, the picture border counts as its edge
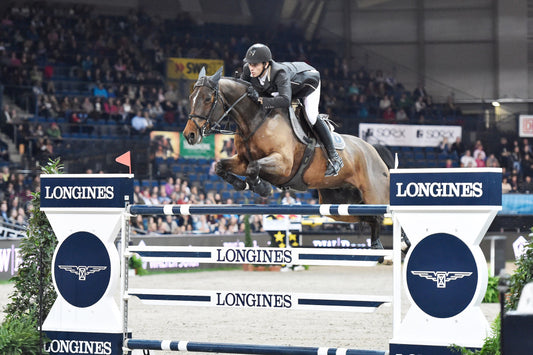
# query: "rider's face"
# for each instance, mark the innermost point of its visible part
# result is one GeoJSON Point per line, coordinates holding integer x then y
{"type": "Point", "coordinates": [256, 69]}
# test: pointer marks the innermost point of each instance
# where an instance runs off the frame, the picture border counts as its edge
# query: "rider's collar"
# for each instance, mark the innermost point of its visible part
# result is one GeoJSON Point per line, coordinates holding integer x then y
{"type": "Point", "coordinates": [265, 75]}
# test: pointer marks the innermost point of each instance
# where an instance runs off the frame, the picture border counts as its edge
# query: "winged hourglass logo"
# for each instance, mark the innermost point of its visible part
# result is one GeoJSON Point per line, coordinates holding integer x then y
{"type": "Point", "coordinates": [442, 277]}
{"type": "Point", "coordinates": [81, 270]}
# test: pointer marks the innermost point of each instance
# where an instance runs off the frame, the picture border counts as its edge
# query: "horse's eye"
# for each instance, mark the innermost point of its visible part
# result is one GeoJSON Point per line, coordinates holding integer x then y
{"type": "Point", "coordinates": [207, 99]}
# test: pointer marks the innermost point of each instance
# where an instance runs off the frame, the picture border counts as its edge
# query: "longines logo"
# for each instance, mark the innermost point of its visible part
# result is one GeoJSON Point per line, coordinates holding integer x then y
{"type": "Point", "coordinates": [253, 300]}
{"type": "Point", "coordinates": [439, 189]}
{"type": "Point", "coordinates": [82, 271]}
{"type": "Point", "coordinates": [79, 347]}
{"type": "Point", "coordinates": [79, 192]}
{"type": "Point", "coordinates": [237, 255]}
{"type": "Point", "coordinates": [442, 277]}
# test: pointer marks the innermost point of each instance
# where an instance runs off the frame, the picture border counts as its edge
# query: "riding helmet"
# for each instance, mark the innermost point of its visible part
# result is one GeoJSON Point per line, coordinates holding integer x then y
{"type": "Point", "coordinates": [258, 53]}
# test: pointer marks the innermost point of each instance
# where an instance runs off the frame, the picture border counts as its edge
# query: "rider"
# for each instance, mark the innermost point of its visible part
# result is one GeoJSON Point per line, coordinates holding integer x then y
{"type": "Point", "coordinates": [275, 84]}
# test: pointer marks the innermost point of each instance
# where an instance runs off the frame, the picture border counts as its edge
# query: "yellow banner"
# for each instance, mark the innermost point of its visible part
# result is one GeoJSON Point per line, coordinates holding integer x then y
{"type": "Point", "coordinates": [188, 68]}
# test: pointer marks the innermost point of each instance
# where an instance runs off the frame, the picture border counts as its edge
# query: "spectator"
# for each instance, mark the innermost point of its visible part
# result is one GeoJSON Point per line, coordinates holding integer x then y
{"type": "Point", "coordinates": [526, 186]}
{"type": "Point", "coordinates": [467, 160]}
{"type": "Point", "coordinates": [100, 91]}
{"type": "Point", "coordinates": [401, 116]}
{"type": "Point", "coordinates": [506, 186]}
{"type": "Point", "coordinates": [504, 153]}
{"type": "Point", "coordinates": [420, 107]}
{"type": "Point", "coordinates": [140, 123]}
{"type": "Point", "coordinates": [458, 147]}
{"type": "Point", "coordinates": [444, 146]}
{"type": "Point", "coordinates": [388, 115]}
{"type": "Point", "coordinates": [288, 199]}
{"type": "Point", "coordinates": [479, 155]}
{"type": "Point", "coordinates": [53, 131]}
{"type": "Point", "coordinates": [492, 161]}
{"type": "Point", "coordinates": [516, 160]}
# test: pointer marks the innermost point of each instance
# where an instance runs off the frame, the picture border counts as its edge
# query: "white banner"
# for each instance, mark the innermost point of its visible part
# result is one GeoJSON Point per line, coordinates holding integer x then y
{"type": "Point", "coordinates": [525, 126]}
{"type": "Point", "coordinates": [408, 135]}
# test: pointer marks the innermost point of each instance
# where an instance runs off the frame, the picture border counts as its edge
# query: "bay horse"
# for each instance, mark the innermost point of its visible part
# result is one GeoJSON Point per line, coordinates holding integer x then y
{"type": "Point", "coordinates": [269, 153]}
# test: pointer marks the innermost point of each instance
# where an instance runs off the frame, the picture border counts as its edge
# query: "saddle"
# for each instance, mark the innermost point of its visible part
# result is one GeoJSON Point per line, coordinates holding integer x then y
{"type": "Point", "coordinates": [305, 135]}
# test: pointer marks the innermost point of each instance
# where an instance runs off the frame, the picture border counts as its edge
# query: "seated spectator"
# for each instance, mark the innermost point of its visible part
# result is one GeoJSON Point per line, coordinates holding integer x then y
{"type": "Point", "coordinates": [111, 109]}
{"type": "Point", "coordinates": [99, 90]}
{"type": "Point", "coordinates": [388, 115]}
{"type": "Point", "coordinates": [458, 147]}
{"type": "Point", "coordinates": [384, 103]}
{"type": "Point", "coordinates": [467, 160]}
{"type": "Point", "coordinates": [288, 199]}
{"type": "Point", "coordinates": [54, 132]}
{"type": "Point", "coordinates": [492, 161]}
{"type": "Point", "coordinates": [140, 123]}
{"type": "Point", "coordinates": [87, 107]}
{"type": "Point", "coordinates": [401, 116]}
{"type": "Point", "coordinates": [526, 186]}
{"type": "Point", "coordinates": [506, 186]}
{"type": "Point", "coordinates": [479, 155]}
{"type": "Point", "coordinates": [444, 146]}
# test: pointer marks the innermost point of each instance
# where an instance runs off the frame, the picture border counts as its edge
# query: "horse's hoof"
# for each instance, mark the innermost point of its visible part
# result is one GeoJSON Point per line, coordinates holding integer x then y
{"type": "Point", "coordinates": [386, 261]}
{"type": "Point", "coordinates": [263, 189]}
{"type": "Point", "coordinates": [376, 244]}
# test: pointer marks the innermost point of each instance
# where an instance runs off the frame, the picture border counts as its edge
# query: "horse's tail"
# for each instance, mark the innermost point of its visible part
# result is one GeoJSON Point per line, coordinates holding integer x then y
{"type": "Point", "coordinates": [385, 154]}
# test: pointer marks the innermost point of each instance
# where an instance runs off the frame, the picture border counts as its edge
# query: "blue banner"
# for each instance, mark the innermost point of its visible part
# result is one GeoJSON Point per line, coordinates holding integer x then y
{"type": "Point", "coordinates": [86, 191]}
{"type": "Point", "coordinates": [455, 188]}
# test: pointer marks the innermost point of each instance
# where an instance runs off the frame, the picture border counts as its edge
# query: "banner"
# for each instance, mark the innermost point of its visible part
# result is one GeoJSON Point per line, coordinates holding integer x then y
{"type": "Point", "coordinates": [224, 146]}
{"type": "Point", "coordinates": [9, 257]}
{"type": "Point", "coordinates": [206, 149]}
{"type": "Point", "coordinates": [165, 144]}
{"type": "Point", "coordinates": [525, 126]}
{"type": "Point", "coordinates": [189, 68]}
{"type": "Point", "coordinates": [408, 135]}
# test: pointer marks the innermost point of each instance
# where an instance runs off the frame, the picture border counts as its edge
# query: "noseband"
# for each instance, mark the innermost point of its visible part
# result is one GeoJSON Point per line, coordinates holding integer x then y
{"type": "Point", "coordinates": [208, 127]}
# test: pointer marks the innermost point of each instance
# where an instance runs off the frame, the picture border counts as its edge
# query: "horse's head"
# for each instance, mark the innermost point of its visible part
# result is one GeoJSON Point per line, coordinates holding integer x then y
{"type": "Point", "coordinates": [206, 107]}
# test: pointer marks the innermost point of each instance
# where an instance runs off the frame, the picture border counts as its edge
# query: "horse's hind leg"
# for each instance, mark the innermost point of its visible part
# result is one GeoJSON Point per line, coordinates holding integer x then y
{"type": "Point", "coordinates": [375, 226]}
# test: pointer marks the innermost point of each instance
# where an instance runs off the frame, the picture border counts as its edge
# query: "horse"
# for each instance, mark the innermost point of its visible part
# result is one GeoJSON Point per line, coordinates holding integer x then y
{"type": "Point", "coordinates": [268, 151]}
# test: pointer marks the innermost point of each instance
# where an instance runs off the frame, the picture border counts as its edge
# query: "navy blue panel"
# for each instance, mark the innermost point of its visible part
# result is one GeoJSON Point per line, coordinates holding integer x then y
{"type": "Point", "coordinates": [93, 192]}
{"type": "Point", "coordinates": [434, 189]}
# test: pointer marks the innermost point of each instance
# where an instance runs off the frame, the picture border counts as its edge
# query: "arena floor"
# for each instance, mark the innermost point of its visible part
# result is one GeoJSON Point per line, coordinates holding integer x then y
{"type": "Point", "coordinates": [278, 327]}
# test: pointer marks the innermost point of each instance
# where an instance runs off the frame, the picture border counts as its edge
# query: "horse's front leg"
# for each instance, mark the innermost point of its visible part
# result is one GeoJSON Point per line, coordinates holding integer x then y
{"type": "Point", "coordinates": [229, 169]}
{"type": "Point", "coordinates": [254, 182]}
{"type": "Point", "coordinates": [272, 165]}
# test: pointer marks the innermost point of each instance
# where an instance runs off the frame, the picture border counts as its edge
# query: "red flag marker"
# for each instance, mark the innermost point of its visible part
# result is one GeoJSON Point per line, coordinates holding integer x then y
{"type": "Point", "coordinates": [125, 159]}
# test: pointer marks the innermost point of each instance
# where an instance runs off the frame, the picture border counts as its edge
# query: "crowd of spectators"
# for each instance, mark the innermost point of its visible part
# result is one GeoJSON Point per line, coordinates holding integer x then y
{"type": "Point", "coordinates": [514, 158]}
{"type": "Point", "coordinates": [81, 69]}
{"type": "Point", "coordinates": [15, 197]}
{"type": "Point", "coordinates": [87, 68]}
{"type": "Point", "coordinates": [178, 191]}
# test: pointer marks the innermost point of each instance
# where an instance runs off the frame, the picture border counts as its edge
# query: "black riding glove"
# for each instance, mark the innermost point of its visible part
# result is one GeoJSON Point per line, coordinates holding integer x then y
{"type": "Point", "coordinates": [252, 94]}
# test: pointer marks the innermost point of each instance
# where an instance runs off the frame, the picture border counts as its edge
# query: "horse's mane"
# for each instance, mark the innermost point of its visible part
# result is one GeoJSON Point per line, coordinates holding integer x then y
{"type": "Point", "coordinates": [238, 80]}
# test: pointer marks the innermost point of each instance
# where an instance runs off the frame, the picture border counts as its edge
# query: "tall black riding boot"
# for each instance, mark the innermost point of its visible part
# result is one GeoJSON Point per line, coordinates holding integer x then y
{"type": "Point", "coordinates": [334, 160]}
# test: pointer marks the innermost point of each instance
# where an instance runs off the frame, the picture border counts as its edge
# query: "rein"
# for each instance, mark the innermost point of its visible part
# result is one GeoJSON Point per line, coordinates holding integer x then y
{"type": "Point", "coordinates": [209, 128]}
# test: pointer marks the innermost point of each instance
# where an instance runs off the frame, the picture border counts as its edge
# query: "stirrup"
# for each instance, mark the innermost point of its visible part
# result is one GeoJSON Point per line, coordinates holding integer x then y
{"type": "Point", "coordinates": [334, 166]}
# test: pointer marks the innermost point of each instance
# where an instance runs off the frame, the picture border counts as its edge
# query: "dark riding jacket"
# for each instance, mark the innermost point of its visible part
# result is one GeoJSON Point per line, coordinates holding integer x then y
{"type": "Point", "coordinates": [284, 82]}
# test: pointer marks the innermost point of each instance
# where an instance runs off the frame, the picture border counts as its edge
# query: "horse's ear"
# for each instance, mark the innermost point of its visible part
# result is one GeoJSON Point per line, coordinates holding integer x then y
{"type": "Point", "coordinates": [216, 77]}
{"type": "Point", "coordinates": [202, 73]}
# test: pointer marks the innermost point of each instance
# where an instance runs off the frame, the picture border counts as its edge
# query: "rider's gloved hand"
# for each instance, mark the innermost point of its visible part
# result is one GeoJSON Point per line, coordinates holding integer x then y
{"type": "Point", "coordinates": [252, 94]}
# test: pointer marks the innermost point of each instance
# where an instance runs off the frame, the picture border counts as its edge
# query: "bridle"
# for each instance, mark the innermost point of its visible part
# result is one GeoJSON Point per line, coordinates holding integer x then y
{"type": "Point", "coordinates": [208, 126]}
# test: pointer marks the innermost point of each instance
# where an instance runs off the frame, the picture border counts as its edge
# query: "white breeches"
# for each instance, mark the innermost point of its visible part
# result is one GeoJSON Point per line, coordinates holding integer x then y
{"type": "Point", "coordinates": [311, 102]}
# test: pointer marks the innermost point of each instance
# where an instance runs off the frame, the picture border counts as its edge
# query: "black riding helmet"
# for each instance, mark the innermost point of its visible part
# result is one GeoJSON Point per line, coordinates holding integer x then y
{"type": "Point", "coordinates": [258, 53]}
